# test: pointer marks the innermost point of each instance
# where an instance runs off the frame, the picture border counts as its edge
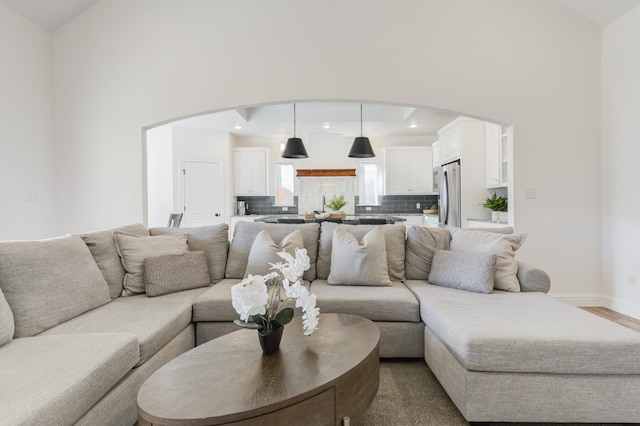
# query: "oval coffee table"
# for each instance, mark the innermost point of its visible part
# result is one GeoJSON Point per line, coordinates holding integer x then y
{"type": "Point", "coordinates": [313, 380]}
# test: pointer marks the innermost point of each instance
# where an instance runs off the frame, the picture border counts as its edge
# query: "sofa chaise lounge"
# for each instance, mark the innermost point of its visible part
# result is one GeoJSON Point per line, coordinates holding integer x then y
{"type": "Point", "coordinates": [74, 349]}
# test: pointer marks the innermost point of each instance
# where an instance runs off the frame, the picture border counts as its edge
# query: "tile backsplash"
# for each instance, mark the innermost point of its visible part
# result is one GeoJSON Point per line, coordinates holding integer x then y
{"type": "Point", "coordinates": [389, 204]}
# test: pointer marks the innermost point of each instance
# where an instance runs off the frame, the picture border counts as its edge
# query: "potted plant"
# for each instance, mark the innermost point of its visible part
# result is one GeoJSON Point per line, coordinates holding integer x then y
{"type": "Point", "coordinates": [335, 204]}
{"type": "Point", "coordinates": [496, 205]}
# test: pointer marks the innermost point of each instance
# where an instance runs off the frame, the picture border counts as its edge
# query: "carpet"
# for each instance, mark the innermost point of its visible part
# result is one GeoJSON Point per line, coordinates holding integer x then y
{"type": "Point", "coordinates": [409, 394]}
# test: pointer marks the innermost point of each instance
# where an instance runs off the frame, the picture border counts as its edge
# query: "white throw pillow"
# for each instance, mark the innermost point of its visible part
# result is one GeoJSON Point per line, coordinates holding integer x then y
{"type": "Point", "coordinates": [134, 249]}
{"type": "Point", "coordinates": [359, 263]}
{"type": "Point", "coordinates": [264, 251]}
{"type": "Point", "coordinates": [504, 246]}
{"type": "Point", "coordinates": [463, 270]}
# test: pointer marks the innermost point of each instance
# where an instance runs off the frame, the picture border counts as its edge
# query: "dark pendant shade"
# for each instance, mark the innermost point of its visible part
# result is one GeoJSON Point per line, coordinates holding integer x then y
{"type": "Point", "coordinates": [361, 148]}
{"type": "Point", "coordinates": [294, 149]}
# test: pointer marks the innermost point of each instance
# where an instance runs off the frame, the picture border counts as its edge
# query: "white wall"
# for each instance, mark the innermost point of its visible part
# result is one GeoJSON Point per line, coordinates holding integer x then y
{"type": "Point", "coordinates": [27, 173]}
{"type": "Point", "coordinates": [160, 175]}
{"type": "Point", "coordinates": [124, 65]}
{"type": "Point", "coordinates": [620, 154]}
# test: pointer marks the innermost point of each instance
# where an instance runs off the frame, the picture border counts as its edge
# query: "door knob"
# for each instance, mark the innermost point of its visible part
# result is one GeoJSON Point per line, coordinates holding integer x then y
{"type": "Point", "coordinates": [217, 214]}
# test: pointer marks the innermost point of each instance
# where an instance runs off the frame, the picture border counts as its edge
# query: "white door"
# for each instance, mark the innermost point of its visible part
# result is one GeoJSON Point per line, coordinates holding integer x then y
{"type": "Point", "coordinates": [203, 194]}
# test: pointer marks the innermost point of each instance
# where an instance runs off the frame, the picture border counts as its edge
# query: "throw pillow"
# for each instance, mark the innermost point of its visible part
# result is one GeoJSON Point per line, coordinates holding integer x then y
{"type": "Point", "coordinates": [7, 326]}
{"type": "Point", "coordinates": [175, 272]}
{"type": "Point", "coordinates": [265, 251]}
{"type": "Point", "coordinates": [504, 246]}
{"type": "Point", "coordinates": [104, 252]}
{"type": "Point", "coordinates": [422, 243]}
{"type": "Point", "coordinates": [213, 240]}
{"type": "Point", "coordinates": [48, 282]}
{"type": "Point", "coordinates": [394, 236]}
{"type": "Point", "coordinates": [359, 263]}
{"type": "Point", "coordinates": [134, 249]}
{"type": "Point", "coordinates": [463, 270]}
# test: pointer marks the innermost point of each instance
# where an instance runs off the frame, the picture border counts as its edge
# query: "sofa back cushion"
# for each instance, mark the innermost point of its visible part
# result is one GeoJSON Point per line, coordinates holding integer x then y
{"type": "Point", "coordinates": [134, 249]}
{"type": "Point", "coordinates": [422, 244]}
{"type": "Point", "coordinates": [213, 240]}
{"type": "Point", "coordinates": [394, 236]}
{"type": "Point", "coordinates": [246, 232]}
{"type": "Point", "coordinates": [7, 326]}
{"type": "Point", "coordinates": [48, 282]}
{"type": "Point", "coordinates": [104, 252]}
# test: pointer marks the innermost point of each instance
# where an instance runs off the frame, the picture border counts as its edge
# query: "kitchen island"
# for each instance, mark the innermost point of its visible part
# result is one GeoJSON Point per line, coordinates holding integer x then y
{"type": "Point", "coordinates": [348, 219]}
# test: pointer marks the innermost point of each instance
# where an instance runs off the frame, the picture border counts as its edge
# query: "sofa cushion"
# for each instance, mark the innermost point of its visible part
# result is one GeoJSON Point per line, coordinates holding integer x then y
{"type": "Point", "coordinates": [175, 272]}
{"type": "Point", "coordinates": [54, 380]}
{"type": "Point", "coordinates": [214, 305]}
{"type": "Point", "coordinates": [394, 236]}
{"type": "Point", "coordinates": [213, 240]}
{"type": "Point", "coordinates": [104, 252]}
{"type": "Point", "coordinates": [264, 251]}
{"type": "Point", "coordinates": [356, 262]}
{"type": "Point", "coordinates": [504, 246]}
{"type": "Point", "coordinates": [525, 333]}
{"type": "Point", "coordinates": [422, 242]}
{"type": "Point", "coordinates": [153, 320]}
{"type": "Point", "coordinates": [7, 326]}
{"type": "Point", "coordinates": [133, 249]}
{"type": "Point", "coordinates": [49, 281]}
{"type": "Point", "coordinates": [463, 270]}
{"type": "Point", "coordinates": [245, 233]}
{"type": "Point", "coordinates": [383, 303]}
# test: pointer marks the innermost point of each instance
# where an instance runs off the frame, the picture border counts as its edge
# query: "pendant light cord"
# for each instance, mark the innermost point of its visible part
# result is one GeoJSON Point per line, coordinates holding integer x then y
{"type": "Point", "coordinates": [360, 120]}
{"type": "Point", "coordinates": [294, 119]}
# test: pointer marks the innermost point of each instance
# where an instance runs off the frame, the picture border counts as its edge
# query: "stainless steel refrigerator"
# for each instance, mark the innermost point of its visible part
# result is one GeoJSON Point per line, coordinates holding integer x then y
{"type": "Point", "coordinates": [449, 204]}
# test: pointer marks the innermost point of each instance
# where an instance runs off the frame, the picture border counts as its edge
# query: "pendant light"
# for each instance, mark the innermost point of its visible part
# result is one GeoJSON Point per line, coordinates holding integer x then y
{"type": "Point", "coordinates": [294, 147]}
{"type": "Point", "coordinates": [361, 147]}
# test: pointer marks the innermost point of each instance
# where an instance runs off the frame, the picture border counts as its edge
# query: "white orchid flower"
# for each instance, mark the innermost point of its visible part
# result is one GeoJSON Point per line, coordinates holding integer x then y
{"type": "Point", "coordinates": [249, 297]}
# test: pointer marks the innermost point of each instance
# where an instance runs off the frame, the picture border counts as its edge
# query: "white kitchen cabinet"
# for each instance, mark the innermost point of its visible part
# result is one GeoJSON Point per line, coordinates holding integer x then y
{"type": "Point", "coordinates": [493, 142]}
{"type": "Point", "coordinates": [435, 152]}
{"type": "Point", "coordinates": [250, 171]}
{"type": "Point", "coordinates": [412, 220]}
{"type": "Point", "coordinates": [449, 137]}
{"type": "Point", "coordinates": [408, 170]}
{"type": "Point", "coordinates": [431, 220]}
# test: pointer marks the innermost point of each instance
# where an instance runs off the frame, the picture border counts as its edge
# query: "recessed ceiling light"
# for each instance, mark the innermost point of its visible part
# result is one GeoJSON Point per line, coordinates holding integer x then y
{"type": "Point", "coordinates": [327, 125]}
{"type": "Point", "coordinates": [413, 125]}
{"type": "Point", "coordinates": [238, 127]}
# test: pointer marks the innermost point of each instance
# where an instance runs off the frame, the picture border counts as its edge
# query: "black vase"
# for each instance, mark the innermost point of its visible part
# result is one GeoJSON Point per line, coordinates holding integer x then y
{"type": "Point", "coordinates": [270, 340]}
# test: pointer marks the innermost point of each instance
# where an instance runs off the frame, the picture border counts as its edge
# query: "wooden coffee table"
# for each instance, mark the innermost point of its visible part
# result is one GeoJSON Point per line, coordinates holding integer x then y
{"type": "Point", "coordinates": [322, 379]}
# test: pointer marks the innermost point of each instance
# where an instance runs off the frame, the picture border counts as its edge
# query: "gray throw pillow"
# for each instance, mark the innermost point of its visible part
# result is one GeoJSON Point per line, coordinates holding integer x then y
{"type": "Point", "coordinates": [422, 243]}
{"type": "Point", "coordinates": [504, 246]}
{"type": "Point", "coordinates": [394, 236]}
{"type": "Point", "coordinates": [359, 263]}
{"type": "Point", "coordinates": [175, 272]}
{"type": "Point", "coordinates": [134, 249]}
{"type": "Point", "coordinates": [463, 270]}
{"type": "Point", "coordinates": [103, 249]}
{"type": "Point", "coordinates": [264, 251]}
{"type": "Point", "coordinates": [7, 326]}
{"type": "Point", "coordinates": [48, 282]}
{"type": "Point", "coordinates": [213, 240]}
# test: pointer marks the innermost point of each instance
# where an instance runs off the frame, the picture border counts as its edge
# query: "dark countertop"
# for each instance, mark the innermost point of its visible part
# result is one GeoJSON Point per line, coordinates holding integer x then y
{"type": "Point", "coordinates": [349, 219]}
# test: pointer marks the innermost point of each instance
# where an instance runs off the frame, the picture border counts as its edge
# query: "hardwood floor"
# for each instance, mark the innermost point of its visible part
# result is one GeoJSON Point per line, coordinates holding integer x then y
{"type": "Point", "coordinates": [609, 314]}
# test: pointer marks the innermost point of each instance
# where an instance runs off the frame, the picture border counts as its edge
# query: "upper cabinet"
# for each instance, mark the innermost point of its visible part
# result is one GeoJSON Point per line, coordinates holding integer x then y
{"type": "Point", "coordinates": [408, 170]}
{"type": "Point", "coordinates": [496, 156]}
{"type": "Point", "coordinates": [449, 138]}
{"type": "Point", "coordinates": [250, 171]}
{"type": "Point", "coordinates": [435, 151]}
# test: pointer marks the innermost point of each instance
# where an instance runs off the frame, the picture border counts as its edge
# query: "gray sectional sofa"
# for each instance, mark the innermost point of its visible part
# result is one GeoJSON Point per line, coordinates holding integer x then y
{"type": "Point", "coordinates": [75, 351]}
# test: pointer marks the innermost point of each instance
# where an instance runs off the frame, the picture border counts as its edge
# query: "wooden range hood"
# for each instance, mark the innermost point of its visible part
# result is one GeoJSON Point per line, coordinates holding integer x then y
{"type": "Point", "coordinates": [325, 172]}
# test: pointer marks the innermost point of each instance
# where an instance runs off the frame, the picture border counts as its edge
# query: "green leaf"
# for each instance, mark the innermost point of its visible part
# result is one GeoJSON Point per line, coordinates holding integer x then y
{"type": "Point", "coordinates": [285, 316]}
{"type": "Point", "coordinates": [250, 325]}
{"type": "Point", "coordinates": [260, 320]}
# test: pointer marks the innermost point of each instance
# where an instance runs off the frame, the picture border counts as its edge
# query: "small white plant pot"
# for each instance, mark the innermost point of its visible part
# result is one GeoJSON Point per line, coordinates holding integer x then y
{"type": "Point", "coordinates": [495, 216]}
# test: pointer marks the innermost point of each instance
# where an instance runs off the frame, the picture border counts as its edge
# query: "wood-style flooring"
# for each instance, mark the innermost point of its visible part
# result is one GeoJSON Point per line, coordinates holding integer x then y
{"type": "Point", "coordinates": [614, 316]}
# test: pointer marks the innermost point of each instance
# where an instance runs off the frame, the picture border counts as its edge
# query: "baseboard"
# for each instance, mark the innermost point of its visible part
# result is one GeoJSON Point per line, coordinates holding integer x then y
{"type": "Point", "coordinates": [613, 303]}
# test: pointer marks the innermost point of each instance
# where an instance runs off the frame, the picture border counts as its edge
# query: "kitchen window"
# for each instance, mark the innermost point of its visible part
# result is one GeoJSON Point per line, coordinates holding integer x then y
{"type": "Point", "coordinates": [368, 183]}
{"type": "Point", "coordinates": [284, 184]}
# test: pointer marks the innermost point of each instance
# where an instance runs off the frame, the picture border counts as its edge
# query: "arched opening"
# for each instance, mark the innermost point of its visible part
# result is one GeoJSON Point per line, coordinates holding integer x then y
{"type": "Point", "coordinates": [240, 148]}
